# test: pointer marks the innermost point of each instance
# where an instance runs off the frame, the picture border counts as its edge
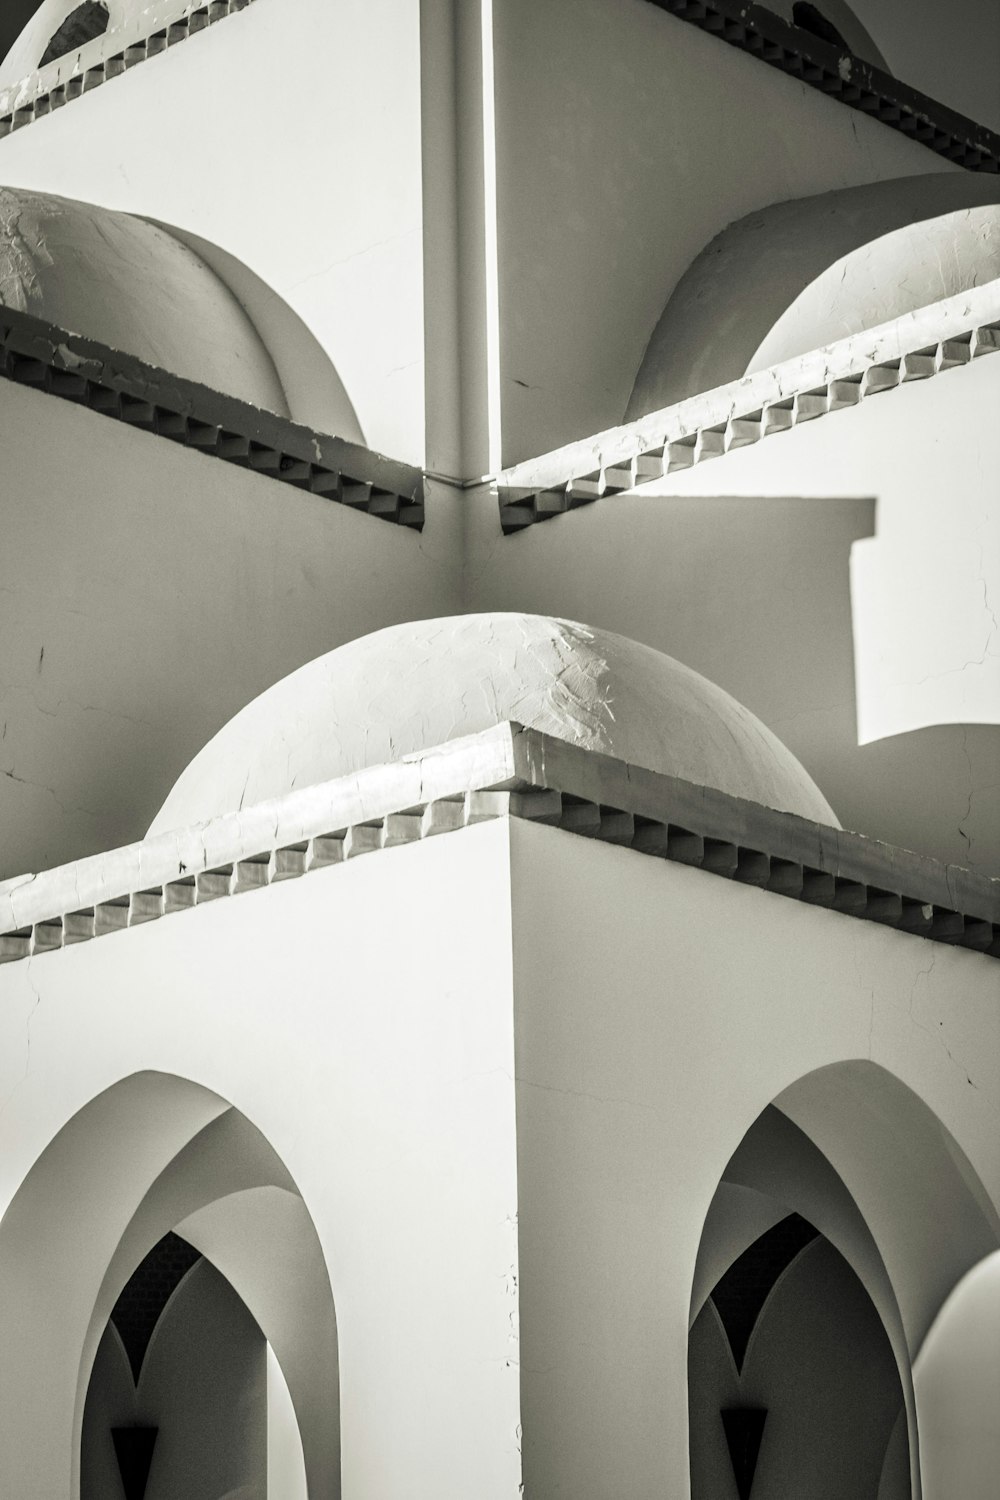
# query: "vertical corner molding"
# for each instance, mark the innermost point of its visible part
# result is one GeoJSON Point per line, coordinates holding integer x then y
{"type": "Point", "coordinates": [461, 301]}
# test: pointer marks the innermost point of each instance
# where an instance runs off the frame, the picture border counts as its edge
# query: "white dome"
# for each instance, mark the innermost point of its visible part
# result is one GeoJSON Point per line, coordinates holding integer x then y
{"type": "Point", "coordinates": [132, 286]}
{"type": "Point", "coordinates": [408, 688]}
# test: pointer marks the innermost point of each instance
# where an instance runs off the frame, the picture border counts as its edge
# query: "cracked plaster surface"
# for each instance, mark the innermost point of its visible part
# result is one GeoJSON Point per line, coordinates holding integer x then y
{"type": "Point", "coordinates": [798, 275]}
{"type": "Point", "coordinates": [401, 690]}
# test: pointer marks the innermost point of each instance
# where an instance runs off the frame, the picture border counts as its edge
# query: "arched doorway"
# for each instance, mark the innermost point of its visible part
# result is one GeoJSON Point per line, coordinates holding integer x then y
{"type": "Point", "coordinates": [792, 1377]}
{"type": "Point", "coordinates": [843, 1221]}
{"type": "Point", "coordinates": [153, 1157]}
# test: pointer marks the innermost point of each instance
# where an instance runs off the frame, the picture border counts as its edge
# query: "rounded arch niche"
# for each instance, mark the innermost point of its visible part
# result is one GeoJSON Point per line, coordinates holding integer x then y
{"type": "Point", "coordinates": [848, 1198]}
{"type": "Point", "coordinates": [795, 276]}
{"type": "Point", "coordinates": [170, 298]}
{"type": "Point", "coordinates": [150, 1155]}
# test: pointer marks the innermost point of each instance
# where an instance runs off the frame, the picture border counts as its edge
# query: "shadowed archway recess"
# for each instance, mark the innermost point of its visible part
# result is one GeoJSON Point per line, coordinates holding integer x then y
{"type": "Point", "coordinates": [87, 22]}
{"type": "Point", "coordinates": [852, 1159]}
{"type": "Point", "coordinates": [151, 1154]}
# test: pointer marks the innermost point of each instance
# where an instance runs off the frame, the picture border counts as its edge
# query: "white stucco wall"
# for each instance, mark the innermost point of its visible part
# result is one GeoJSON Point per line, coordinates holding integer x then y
{"type": "Point", "coordinates": [923, 588]}
{"type": "Point", "coordinates": [148, 592]}
{"type": "Point", "coordinates": [309, 172]}
{"type": "Point", "coordinates": [658, 1011]}
{"type": "Point", "coordinates": [132, 286]}
{"type": "Point", "coordinates": [623, 142]}
{"type": "Point", "coordinates": [839, 579]}
{"type": "Point", "coordinates": [795, 276]}
{"type": "Point", "coordinates": [384, 1008]}
{"type": "Point", "coordinates": [372, 1006]}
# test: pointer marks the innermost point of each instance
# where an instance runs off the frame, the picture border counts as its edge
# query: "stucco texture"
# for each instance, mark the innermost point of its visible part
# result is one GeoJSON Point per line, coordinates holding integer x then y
{"type": "Point", "coordinates": [626, 141]}
{"type": "Point", "coordinates": [131, 286]}
{"type": "Point", "coordinates": [151, 605]}
{"type": "Point", "coordinates": [411, 687]}
{"type": "Point", "coordinates": [798, 275]}
{"type": "Point", "coordinates": [266, 136]}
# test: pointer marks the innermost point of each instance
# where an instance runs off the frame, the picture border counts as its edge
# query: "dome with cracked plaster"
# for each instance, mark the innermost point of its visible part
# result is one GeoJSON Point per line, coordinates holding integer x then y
{"type": "Point", "coordinates": [133, 287]}
{"type": "Point", "coordinates": [411, 687]}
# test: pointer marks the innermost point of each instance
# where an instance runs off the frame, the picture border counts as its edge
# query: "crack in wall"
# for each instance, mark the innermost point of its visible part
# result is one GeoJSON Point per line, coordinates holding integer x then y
{"type": "Point", "coordinates": [925, 974]}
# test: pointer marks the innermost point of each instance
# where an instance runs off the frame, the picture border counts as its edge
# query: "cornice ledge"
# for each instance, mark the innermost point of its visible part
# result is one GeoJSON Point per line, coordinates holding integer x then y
{"type": "Point", "coordinates": [118, 385]}
{"type": "Point", "coordinates": [505, 771]}
{"type": "Point", "coordinates": [915, 346]}
{"type": "Point", "coordinates": [841, 75]}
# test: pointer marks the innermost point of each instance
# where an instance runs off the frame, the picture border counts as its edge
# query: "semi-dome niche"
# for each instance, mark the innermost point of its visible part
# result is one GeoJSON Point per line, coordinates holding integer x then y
{"type": "Point", "coordinates": [798, 275]}
{"type": "Point", "coordinates": [171, 298]}
{"type": "Point", "coordinates": [410, 687]}
{"type": "Point", "coordinates": [132, 286]}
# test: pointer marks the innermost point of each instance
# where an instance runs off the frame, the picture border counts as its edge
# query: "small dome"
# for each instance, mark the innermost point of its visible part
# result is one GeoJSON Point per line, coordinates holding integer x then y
{"type": "Point", "coordinates": [411, 687]}
{"type": "Point", "coordinates": [133, 287]}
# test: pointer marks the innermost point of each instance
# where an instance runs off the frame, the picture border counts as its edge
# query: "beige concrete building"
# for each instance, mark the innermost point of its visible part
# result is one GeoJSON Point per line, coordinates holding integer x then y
{"type": "Point", "coordinates": [494, 1008]}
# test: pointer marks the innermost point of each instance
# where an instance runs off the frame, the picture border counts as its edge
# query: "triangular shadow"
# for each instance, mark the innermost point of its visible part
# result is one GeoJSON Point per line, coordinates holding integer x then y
{"type": "Point", "coordinates": [744, 1426]}
{"type": "Point", "coordinates": [134, 1451]}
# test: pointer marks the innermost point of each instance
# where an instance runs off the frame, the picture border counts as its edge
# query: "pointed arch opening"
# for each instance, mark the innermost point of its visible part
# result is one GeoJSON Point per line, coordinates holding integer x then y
{"type": "Point", "coordinates": [158, 1179]}
{"type": "Point", "coordinates": [841, 1226]}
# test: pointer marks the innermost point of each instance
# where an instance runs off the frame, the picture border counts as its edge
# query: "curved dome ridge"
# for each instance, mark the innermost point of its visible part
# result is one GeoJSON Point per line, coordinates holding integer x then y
{"type": "Point", "coordinates": [408, 688]}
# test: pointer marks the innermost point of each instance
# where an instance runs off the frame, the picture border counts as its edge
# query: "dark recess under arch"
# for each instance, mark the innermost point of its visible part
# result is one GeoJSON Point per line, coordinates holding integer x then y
{"type": "Point", "coordinates": [810, 19]}
{"type": "Point", "coordinates": [82, 25]}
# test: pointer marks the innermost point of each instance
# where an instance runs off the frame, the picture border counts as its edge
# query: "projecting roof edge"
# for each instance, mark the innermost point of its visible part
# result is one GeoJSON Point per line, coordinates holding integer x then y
{"type": "Point", "coordinates": [919, 344]}
{"type": "Point", "coordinates": [843, 76]}
{"type": "Point", "coordinates": [118, 385]}
{"type": "Point", "coordinates": [506, 771]}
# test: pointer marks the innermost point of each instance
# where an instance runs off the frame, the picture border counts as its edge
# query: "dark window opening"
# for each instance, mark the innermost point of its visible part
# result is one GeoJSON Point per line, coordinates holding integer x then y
{"type": "Point", "coordinates": [812, 20]}
{"type": "Point", "coordinates": [88, 21]}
